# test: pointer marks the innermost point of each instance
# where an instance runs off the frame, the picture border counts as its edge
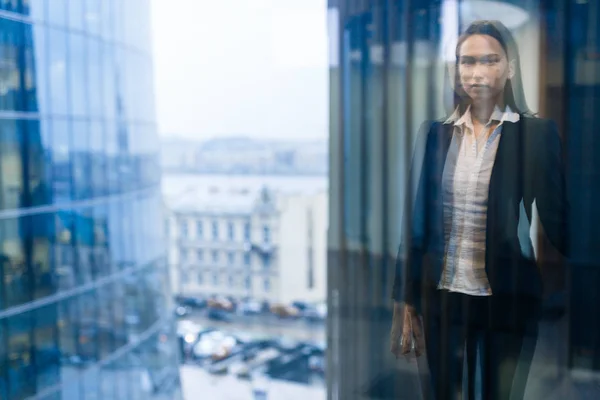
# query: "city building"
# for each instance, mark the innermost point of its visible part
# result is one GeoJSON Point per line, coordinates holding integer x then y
{"type": "Point", "coordinates": [244, 243]}
{"type": "Point", "coordinates": [388, 63]}
{"type": "Point", "coordinates": [85, 304]}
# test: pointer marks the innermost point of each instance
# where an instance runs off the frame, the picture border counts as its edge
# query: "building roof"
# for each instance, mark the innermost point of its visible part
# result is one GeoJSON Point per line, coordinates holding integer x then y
{"type": "Point", "coordinates": [221, 200]}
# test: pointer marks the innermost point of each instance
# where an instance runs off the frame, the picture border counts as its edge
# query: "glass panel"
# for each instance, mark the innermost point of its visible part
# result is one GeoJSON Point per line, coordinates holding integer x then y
{"type": "Point", "coordinates": [40, 171]}
{"type": "Point", "coordinates": [3, 359]}
{"type": "Point", "coordinates": [93, 16]}
{"type": "Point", "coordinates": [90, 384]}
{"type": "Point", "coordinates": [76, 13]}
{"type": "Point", "coordinates": [40, 61]}
{"type": "Point", "coordinates": [98, 160]}
{"type": "Point", "coordinates": [106, 304]}
{"type": "Point", "coordinates": [43, 239]}
{"type": "Point", "coordinates": [36, 9]}
{"type": "Point", "coordinates": [62, 184]}
{"type": "Point", "coordinates": [68, 332]}
{"type": "Point", "coordinates": [89, 332]}
{"type": "Point", "coordinates": [16, 280]}
{"type": "Point", "coordinates": [57, 14]}
{"type": "Point", "coordinates": [21, 377]}
{"type": "Point", "coordinates": [11, 43]}
{"type": "Point", "coordinates": [47, 350]}
{"type": "Point", "coordinates": [81, 160]}
{"type": "Point", "coordinates": [64, 252]}
{"type": "Point", "coordinates": [95, 77]}
{"type": "Point", "coordinates": [84, 244]}
{"type": "Point", "coordinates": [58, 70]}
{"type": "Point", "coordinates": [32, 57]}
{"type": "Point", "coordinates": [9, 5]}
{"type": "Point", "coordinates": [11, 164]}
{"type": "Point", "coordinates": [78, 79]}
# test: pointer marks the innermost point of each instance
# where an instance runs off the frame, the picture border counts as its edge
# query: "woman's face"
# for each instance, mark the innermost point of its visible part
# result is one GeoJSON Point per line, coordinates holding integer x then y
{"type": "Point", "coordinates": [483, 68]}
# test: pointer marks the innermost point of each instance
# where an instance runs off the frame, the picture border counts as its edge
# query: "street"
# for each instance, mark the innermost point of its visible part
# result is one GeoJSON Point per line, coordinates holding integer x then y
{"type": "Point", "coordinates": [268, 325]}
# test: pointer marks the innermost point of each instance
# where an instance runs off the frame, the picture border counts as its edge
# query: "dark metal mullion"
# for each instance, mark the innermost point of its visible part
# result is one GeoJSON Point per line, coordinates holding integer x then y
{"type": "Point", "coordinates": [567, 52]}
{"type": "Point", "coordinates": [386, 21]}
{"type": "Point", "coordinates": [408, 122]}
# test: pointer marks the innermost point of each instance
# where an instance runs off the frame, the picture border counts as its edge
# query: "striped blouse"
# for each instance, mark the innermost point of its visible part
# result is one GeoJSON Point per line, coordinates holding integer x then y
{"type": "Point", "coordinates": [465, 182]}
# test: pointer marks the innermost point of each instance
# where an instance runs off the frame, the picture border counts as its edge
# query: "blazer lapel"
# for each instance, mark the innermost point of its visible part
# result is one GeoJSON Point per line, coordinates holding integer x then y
{"type": "Point", "coordinates": [507, 158]}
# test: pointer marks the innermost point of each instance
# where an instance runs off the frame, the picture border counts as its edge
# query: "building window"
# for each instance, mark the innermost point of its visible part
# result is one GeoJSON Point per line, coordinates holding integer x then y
{"type": "Point", "coordinates": [247, 231]}
{"type": "Point", "coordinates": [215, 256]}
{"type": "Point", "coordinates": [248, 283]}
{"type": "Point", "coordinates": [184, 275]}
{"type": "Point", "coordinates": [266, 234]}
{"type": "Point", "coordinates": [199, 229]}
{"type": "Point", "coordinates": [267, 284]}
{"type": "Point", "coordinates": [266, 262]}
{"type": "Point", "coordinates": [200, 255]}
{"type": "Point", "coordinates": [231, 283]}
{"type": "Point", "coordinates": [200, 278]}
{"type": "Point", "coordinates": [231, 258]}
{"type": "Point", "coordinates": [215, 230]}
{"type": "Point", "coordinates": [183, 229]}
{"type": "Point", "coordinates": [184, 255]}
{"type": "Point", "coordinates": [247, 259]}
{"type": "Point", "coordinates": [216, 279]}
{"type": "Point", "coordinates": [230, 231]}
{"type": "Point", "coordinates": [167, 230]}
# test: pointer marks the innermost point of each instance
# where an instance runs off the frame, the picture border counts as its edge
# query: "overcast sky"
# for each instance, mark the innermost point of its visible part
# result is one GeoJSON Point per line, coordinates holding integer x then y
{"type": "Point", "coordinates": [241, 67]}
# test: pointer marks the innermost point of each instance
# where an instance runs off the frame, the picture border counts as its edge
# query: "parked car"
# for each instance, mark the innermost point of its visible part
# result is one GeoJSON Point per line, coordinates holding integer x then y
{"type": "Point", "coordinates": [312, 314]}
{"type": "Point", "coordinates": [194, 302]}
{"type": "Point", "coordinates": [220, 303]}
{"type": "Point", "coordinates": [300, 305]}
{"type": "Point", "coordinates": [249, 308]}
{"type": "Point", "coordinates": [285, 311]}
{"type": "Point", "coordinates": [219, 315]}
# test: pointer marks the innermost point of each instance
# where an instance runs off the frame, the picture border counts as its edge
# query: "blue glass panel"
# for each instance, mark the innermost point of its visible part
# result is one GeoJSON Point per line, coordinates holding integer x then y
{"type": "Point", "coordinates": [36, 9]}
{"type": "Point", "coordinates": [11, 48]}
{"type": "Point", "coordinates": [11, 168]}
{"type": "Point", "coordinates": [75, 10]}
{"type": "Point", "coordinates": [97, 159]}
{"type": "Point", "coordinates": [95, 77]}
{"type": "Point", "coordinates": [61, 161]}
{"type": "Point", "coordinates": [109, 81]}
{"type": "Point", "coordinates": [93, 16]}
{"type": "Point", "coordinates": [47, 350]}
{"type": "Point", "coordinates": [9, 5]}
{"type": "Point", "coordinates": [57, 71]}
{"type": "Point", "coordinates": [40, 61]}
{"type": "Point", "coordinates": [81, 160]}
{"type": "Point", "coordinates": [13, 263]}
{"type": "Point", "coordinates": [21, 377]}
{"type": "Point", "coordinates": [78, 79]}
{"type": "Point", "coordinates": [57, 13]}
{"type": "Point", "coordinates": [3, 353]}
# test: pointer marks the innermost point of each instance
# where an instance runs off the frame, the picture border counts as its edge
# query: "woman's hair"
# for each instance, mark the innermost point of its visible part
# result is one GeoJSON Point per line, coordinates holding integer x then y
{"type": "Point", "coordinates": [514, 96]}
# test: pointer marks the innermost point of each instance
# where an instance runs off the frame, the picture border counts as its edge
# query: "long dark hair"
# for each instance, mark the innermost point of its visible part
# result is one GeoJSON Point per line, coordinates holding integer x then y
{"type": "Point", "coordinates": [514, 95]}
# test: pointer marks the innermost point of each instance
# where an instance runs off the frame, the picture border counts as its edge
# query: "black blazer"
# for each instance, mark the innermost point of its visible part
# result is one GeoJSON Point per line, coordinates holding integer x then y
{"type": "Point", "coordinates": [528, 166]}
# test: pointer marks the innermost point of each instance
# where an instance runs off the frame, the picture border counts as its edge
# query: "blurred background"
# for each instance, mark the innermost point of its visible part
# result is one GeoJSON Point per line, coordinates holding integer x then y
{"type": "Point", "coordinates": [202, 198]}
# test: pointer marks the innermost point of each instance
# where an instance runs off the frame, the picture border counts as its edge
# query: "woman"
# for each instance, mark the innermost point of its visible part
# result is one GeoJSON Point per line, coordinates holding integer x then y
{"type": "Point", "coordinates": [466, 278]}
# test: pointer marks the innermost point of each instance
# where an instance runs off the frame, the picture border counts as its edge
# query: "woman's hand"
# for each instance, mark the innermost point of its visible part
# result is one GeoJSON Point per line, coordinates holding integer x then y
{"type": "Point", "coordinates": [407, 331]}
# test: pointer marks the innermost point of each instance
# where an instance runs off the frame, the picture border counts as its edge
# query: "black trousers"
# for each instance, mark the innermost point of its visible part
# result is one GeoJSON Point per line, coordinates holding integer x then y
{"type": "Point", "coordinates": [494, 344]}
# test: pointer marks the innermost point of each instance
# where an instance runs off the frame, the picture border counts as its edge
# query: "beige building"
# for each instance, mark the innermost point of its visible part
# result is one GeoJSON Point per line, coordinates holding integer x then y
{"type": "Point", "coordinates": [262, 244]}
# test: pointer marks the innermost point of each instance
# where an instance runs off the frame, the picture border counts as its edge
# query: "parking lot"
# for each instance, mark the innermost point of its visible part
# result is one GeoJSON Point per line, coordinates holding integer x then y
{"type": "Point", "coordinates": [254, 348]}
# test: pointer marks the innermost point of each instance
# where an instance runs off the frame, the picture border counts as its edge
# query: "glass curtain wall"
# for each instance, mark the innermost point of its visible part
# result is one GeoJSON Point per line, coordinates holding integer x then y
{"type": "Point", "coordinates": [390, 63]}
{"type": "Point", "coordinates": [84, 303]}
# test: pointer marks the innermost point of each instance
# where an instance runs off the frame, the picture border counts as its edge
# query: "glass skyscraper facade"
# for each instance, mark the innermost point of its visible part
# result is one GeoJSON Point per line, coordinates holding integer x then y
{"type": "Point", "coordinates": [85, 307]}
